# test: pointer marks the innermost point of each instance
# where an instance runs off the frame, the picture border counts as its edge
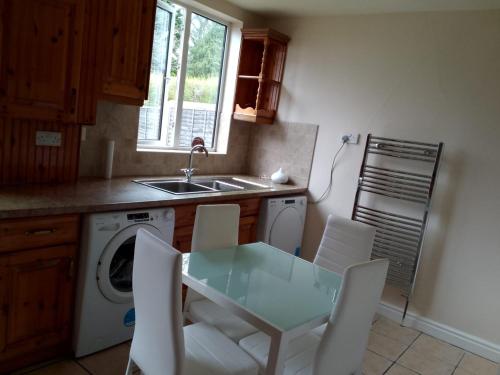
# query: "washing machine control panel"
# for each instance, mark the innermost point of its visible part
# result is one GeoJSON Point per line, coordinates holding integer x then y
{"type": "Point", "coordinates": [139, 217]}
{"type": "Point", "coordinates": [150, 216]}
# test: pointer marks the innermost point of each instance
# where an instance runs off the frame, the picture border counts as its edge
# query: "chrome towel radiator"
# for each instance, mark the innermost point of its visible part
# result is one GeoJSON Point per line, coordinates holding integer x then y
{"type": "Point", "coordinates": [394, 192]}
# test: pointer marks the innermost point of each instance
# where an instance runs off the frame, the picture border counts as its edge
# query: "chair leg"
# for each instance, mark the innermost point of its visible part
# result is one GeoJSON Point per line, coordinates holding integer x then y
{"type": "Point", "coordinates": [129, 366]}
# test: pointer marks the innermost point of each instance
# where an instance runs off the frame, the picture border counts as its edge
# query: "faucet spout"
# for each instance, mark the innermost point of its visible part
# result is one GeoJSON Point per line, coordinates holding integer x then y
{"type": "Point", "coordinates": [190, 170]}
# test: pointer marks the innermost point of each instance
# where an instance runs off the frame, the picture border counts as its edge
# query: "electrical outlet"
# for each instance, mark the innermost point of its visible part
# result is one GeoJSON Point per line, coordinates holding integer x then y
{"type": "Point", "coordinates": [44, 138]}
{"type": "Point", "coordinates": [351, 138]}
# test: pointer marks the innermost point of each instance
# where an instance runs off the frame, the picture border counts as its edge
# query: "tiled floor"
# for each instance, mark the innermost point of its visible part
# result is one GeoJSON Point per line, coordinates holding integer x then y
{"type": "Point", "coordinates": [392, 350]}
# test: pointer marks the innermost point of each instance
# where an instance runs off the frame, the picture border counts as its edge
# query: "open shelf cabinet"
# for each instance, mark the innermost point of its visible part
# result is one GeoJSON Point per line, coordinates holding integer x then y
{"type": "Point", "coordinates": [260, 72]}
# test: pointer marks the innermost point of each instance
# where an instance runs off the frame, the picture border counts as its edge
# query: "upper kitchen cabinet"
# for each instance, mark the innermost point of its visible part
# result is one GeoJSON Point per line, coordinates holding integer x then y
{"type": "Point", "coordinates": [125, 46]}
{"type": "Point", "coordinates": [40, 58]}
{"type": "Point", "coordinates": [260, 72]}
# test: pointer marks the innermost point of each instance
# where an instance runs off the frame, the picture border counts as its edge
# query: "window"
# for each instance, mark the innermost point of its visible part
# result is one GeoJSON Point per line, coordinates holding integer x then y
{"type": "Point", "coordinates": [186, 80]}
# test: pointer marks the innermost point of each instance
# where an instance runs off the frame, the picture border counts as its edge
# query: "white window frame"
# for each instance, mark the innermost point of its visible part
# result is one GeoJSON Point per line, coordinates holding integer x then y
{"type": "Point", "coordinates": [161, 144]}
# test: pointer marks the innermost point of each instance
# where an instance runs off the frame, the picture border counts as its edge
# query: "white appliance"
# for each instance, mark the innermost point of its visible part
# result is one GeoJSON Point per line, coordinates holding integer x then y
{"type": "Point", "coordinates": [105, 313]}
{"type": "Point", "coordinates": [281, 222]}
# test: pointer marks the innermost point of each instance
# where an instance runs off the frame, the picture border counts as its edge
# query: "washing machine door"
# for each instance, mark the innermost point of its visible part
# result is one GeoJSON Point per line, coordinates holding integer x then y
{"type": "Point", "coordinates": [114, 270]}
{"type": "Point", "coordinates": [285, 232]}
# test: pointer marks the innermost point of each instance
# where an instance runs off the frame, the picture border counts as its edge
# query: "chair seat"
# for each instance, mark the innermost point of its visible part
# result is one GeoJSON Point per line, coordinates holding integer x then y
{"type": "Point", "coordinates": [209, 352]}
{"type": "Point", "coordinates": [209, 312]}
{"type": "Point", "coordinates": [299, 357]}
{"type": "Point", "coordinates": [319, 330]}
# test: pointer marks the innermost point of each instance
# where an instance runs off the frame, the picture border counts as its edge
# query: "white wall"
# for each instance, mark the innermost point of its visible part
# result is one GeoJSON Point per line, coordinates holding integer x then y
{"type": "Point", "coordinates": [421, 76]}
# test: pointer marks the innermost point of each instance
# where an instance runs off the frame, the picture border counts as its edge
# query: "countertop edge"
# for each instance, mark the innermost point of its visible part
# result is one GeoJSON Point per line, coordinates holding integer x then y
{"type": "Point", "coordinates": [132, 205]}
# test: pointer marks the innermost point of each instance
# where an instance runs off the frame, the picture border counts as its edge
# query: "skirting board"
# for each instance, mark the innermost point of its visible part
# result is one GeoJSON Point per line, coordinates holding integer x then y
{"type": "Point", "coordinates": [473, 344]}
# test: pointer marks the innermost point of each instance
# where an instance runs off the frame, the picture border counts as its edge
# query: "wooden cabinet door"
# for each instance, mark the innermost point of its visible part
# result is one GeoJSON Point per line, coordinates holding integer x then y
{"type": "Point", "coordinates": [36, 292]}
{"type": "Point", "coordinates": [42, 47]}
{"type": "Point", "coordinates": [126, 45]}
{"type": "Point", "coordinates": [248, 229]}
{"type": "Point", "coordinates": [182, 239]}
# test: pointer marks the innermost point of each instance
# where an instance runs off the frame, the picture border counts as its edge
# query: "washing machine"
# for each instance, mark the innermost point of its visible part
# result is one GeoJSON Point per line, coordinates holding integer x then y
{"type": "Point", "coordinates": [281, 222]}
{"type": "Point", "coordinates": [104, 314]}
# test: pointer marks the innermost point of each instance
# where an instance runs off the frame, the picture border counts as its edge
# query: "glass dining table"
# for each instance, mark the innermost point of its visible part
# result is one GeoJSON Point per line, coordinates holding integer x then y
{"type": "Point", "coordinates": [282, 295]}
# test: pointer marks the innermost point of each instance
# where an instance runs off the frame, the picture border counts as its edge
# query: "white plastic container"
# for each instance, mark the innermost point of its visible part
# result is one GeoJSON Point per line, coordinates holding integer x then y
{"type": "Point", "coordinates": [279, 177]}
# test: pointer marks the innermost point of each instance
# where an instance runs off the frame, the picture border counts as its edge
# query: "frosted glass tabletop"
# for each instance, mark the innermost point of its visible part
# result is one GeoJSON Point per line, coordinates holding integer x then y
{"type": "Point", "coordinates": [275, 286]}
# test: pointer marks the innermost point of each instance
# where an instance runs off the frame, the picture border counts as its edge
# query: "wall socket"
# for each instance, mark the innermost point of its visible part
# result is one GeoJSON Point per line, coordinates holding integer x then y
{"type": "Point", "coordinates": [44, 138]}
{"type": "Point", "coordinates": [352, 138]}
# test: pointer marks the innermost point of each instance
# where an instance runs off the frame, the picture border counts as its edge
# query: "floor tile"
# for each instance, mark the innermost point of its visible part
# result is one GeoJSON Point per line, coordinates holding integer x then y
{"type": "Point", "coordinates": [386, 346]}
{"type": "Point", "coordinates": [400, 370]}
{"type": "Point", "coordinates": [111, 361]}
{"type": "Point", "coordinates": [461, 371]}
{"type": "Point", "coordinates": [67, 367]}
{"type": "Point", "coordinates": [474, 364]}
{"type": "Point", "coordinates": [429, 346]}
{"type": "Point", "coordinates": [424, 364]}
{"type": "Point", "coordinates": [394, 330]}
{"type": "Point", "coordinates": [374, 364]}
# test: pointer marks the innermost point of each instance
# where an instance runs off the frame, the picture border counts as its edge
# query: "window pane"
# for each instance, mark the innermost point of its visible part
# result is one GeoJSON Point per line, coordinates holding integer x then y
{"type": "Point", "coordinates": [157, 116]}
{"type": "Point", "coordinates": [151, 112]}
{"type": "Point", "coordinates": [203, 79]}
{"type": "Point", "coordinates": [171, 102]}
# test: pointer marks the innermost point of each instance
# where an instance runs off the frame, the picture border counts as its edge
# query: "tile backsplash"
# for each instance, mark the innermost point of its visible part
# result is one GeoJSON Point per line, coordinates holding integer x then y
{"type": "Point", "coordinates": [283, 144]}
{"type": "Point", "coordinates": [119, 123]}
{"type": "Point", "coordinates": [253, 149]}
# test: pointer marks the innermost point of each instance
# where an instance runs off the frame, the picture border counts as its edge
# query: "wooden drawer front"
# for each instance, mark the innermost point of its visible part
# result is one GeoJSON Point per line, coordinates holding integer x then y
{"type": "Point", "coordinates": [37, 232]}
{"type": "Point", "coordinates": [247, 234]}
{"type": "Point", "coordinates": [249, 207]}
{"type": "Point", "coordinates": [184, 215]}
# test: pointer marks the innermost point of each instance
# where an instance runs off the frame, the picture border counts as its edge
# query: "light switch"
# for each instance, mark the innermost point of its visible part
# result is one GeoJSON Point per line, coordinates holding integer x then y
{"type": "Point", "coordinates": [44, 138]}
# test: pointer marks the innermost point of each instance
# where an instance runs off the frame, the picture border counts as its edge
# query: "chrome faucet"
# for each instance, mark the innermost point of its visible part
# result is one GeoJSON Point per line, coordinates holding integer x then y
{"type": "Point", "coordinates": [190, 170]}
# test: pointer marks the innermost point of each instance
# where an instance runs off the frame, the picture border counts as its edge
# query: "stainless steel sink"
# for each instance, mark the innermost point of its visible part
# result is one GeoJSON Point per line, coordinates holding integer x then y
{"type": "Point", "coordinates": [176, 187]}
{"type": "Point", "coordinates": [246, 185]}
{"type": "Point", "coordinates": [218, 185]}
{"type": "Point", "coordinates": [205, 185]}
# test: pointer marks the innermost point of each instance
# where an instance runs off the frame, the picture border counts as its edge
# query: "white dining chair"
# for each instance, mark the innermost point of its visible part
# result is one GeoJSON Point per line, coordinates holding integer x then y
{"type": "Point", "coordinates": [161, 346]}
{"type": "Point", "coordinates": [344, 243]}
{"type": "Point", "coordinates": [341, 349]}
{"type": "Point", "coordinates": [215, 227]}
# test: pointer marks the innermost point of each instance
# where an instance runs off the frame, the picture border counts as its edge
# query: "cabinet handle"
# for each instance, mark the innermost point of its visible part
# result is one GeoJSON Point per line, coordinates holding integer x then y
{"type": "Point", "coordinates": [73, 101]}
{"type": "Point", "coordinates": [39, 232]}
{"type": "Point", "coordinates": [71, 269]}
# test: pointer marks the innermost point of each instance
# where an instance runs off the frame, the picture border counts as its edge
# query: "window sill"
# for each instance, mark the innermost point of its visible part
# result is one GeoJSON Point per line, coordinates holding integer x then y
{"type": "Point", "coordinates": [175, 151]}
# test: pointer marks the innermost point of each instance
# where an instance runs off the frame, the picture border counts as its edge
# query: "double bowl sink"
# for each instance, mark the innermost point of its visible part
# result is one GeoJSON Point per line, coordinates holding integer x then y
{"type": "Point", "coordinates": [203, 185]}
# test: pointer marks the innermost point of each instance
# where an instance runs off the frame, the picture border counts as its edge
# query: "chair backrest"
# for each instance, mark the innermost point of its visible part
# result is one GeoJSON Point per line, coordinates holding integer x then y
{"type": "Point", "coordinates": [344, 342]}
{"type": "Point", "coordinates": [158, 342]}
{"type": "Point", "coordinates": [215, 226]}
{"type": "Point", "coordinates": [344, 242]}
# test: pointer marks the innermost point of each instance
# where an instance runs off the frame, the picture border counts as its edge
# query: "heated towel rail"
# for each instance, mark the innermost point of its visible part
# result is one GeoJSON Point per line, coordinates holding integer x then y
{"type": "Point", "coordinates": [394, 192]}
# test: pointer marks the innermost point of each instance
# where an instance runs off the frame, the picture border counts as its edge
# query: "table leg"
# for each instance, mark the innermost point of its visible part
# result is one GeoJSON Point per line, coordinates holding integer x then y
{"type": "Point", "coordinates": [277, 354]}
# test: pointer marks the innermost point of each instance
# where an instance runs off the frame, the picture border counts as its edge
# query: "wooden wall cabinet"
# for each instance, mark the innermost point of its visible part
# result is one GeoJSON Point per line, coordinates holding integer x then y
{"type": "Point", "coordinates": [260, 72]}
{"type": "Point", "coordinates": [126, 40]}
{"type": "Point", "coordinates": [37, 279]}
{"type": "Point", "coordinates": [41, 50]}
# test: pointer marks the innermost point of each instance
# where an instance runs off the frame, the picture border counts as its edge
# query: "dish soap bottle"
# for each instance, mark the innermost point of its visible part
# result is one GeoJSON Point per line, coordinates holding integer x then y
{"type": "Point", "coordinates": [279, 177]}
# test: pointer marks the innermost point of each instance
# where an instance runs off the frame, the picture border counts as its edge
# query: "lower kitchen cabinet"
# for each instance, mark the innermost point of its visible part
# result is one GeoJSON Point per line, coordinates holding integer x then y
{"type": "Point", "coordinates": [36, 292]}
{"type": "Point", "coordinates": [185, 215]}
{"type": "Point", "coordinates": [36, 298]}
{"type": "Point", "coordinates": [248, 229]}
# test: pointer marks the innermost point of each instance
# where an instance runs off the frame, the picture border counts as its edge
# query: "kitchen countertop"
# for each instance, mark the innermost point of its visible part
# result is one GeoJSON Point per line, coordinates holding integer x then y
{"type": "Point", "coordinates": [98, 195]}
